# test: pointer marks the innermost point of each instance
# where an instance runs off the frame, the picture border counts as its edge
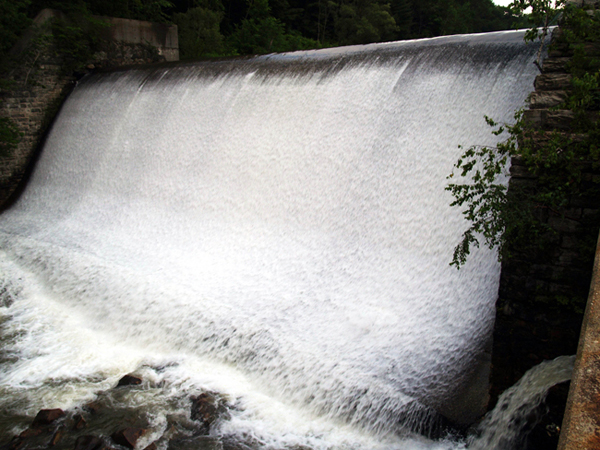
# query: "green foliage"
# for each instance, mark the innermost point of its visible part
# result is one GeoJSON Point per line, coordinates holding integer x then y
{"type": "Point", "coordinates": [151, 10]}
{"type": "Point", "coordinates": [364, 21]}
{"type": "Point", "coordinates": [514, 219]}
{"type": "Point", "coordinates": [13, 20]}
{"type": "Point", "coordinates": [226, 27]}
{"type": "Point", "coordinates": [483, 192]}
{"type": "Point", "coordinates": [10, 136]}
{"type": "Point", "coordinates": [262, 33]}
{"type": "Point", "coordinates": [76, 38]}
{"type": "Point", "coordinates": [539, 13]}
{"type": "Point", "coordinates": [259, 32]}
{"type": "Point", "coordinates": [199, 30]}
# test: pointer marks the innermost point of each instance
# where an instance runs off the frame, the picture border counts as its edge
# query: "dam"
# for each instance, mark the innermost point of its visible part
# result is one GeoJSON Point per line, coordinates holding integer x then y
{"type": "Point", "coordinates": [275, 229]}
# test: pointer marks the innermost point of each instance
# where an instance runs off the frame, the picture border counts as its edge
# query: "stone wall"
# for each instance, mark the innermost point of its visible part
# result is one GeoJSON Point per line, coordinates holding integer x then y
{"type": "Point", "coordinates": [531, 324]}
{"type": "Point", "coordinates": [38, 86]}
{"type": "Point", "coordinates": [39, 82]}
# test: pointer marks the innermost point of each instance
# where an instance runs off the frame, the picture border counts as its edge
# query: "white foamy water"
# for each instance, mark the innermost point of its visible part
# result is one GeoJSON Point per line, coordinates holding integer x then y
{"type": "Point", "coordinates": [276, 230]}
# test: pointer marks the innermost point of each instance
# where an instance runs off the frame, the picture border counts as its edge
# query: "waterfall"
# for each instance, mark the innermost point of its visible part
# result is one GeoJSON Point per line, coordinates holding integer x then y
{"type": "Point", "coordinates": [275, 229]}
{"type": "Point", "coordinates": [502, 428]}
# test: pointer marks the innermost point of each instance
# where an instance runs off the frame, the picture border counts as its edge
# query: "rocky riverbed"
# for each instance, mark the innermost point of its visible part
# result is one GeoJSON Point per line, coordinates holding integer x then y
{"type": "Point", "coordinates": [113, 421]}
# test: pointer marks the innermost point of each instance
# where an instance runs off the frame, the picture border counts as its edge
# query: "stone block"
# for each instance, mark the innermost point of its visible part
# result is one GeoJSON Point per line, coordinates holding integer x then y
{"type": "Point", "coordinates": [569, 242]}
{"type": "Point", "coordinates": [552, 81]}
{"type": "Point", "coordinates": [572, 213]}
{"type": "Point", "coordinates": [555, 65]}
{"type": "Point", "coordinates": [541, 271]}
{"type": "Point", "coordinates": [590, 213]}
{"type": "Point", "coordinates": [546, 99]}
{"type": "Point", "coordinates": [560, 119]}
{"type": "Point", "coordinates": [568, 258]}
{"type": "Point", "coordinates": [563, 224]}
{"type": "Point", "coordinates": [560, 51]}
{"type": "Point", "coordinates": [535, 117]}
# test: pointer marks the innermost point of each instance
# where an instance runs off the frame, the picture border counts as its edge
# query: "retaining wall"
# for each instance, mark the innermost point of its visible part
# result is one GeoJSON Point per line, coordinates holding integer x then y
{"type": "Point", "coordinates": [581, 425]}
{"type": "Point", "coordinates": [530, 327]}
{"type": "Point", "coordinates": [39, 82]}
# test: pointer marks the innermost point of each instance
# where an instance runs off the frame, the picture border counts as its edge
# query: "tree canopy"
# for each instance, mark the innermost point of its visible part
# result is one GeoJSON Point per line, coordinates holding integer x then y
{"type": "Point", "coordinates": [237, 27]}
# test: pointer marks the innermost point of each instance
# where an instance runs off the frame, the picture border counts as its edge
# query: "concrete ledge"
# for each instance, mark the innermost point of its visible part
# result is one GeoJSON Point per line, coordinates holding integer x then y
{"type": "Point", "coordinates": [163, 37]}
{"type": "Point", "coordinates": [581, 424]}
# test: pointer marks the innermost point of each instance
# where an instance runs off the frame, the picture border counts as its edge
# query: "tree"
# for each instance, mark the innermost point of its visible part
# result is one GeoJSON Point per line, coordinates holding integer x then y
{"type": "Point", "coordinates": [199, 32]}
{"type": "Point", "coordinates": [13, 20]}
{"type": "Point", "coordinates": [261, 33]}
{"type": "Point", "coordinates": [364, 21]}
{"type": "Point", "coordinates": [513, 219]}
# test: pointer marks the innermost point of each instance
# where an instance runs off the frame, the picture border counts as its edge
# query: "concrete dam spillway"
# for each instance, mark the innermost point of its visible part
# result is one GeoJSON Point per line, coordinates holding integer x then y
{"type": "Point", "coordinates": [274, 229]}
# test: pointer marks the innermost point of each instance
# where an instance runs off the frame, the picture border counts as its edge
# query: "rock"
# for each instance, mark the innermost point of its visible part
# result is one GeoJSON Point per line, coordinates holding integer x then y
{"type": "Point", "coordinates": [555, 64]}
{"type": "Point", "coordinates": [552, 81]}
{"type": "Point", "coordinates": [196, 443]}
{"type": "Point", "coordinates": [15, 444]}
{"type": "Point", "coordinates": [30, 432]}
{"type": "Point", "coordinates": [89, 443]}
{"type": "Point", "coordinates": [128, 437]}
{"type": "Point", "coordinates": [204, 408]}
{"type": "Point", "coordinates": [560, 119]}
{"type": "Point", "coordinates": [151, 446]}
{"type": "Point", "coordinates": [79, 422]}
{"type": "Point", "coordinates": [92, 407]}
{"type": "Point", "coordinates": [129, 380]}
{"type": "Point", "coordinates": [546, 99]}
{"type": "Point", "coordinates": [57, 436]}
{"type": "Point", "coordinates": [46, 417]}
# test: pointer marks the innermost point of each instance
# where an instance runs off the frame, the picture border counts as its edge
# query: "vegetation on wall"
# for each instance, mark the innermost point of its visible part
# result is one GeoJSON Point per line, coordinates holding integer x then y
{"type": "Point", "coordinates": [9, 136]}
{"type": "Point", "coordinates": [563, 162]}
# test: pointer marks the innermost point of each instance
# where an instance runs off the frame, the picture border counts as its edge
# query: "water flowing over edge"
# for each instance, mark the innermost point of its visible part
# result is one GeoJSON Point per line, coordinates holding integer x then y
{"type": "Point", "coordinates": [238, 156]}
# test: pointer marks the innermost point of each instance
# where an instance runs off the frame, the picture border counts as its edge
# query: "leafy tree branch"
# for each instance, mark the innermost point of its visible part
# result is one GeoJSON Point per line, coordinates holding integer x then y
{"type": "Point", "coordinates": [560, 161]}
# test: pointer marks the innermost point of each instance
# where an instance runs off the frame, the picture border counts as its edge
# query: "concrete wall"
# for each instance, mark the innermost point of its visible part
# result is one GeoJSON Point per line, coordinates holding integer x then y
{"type": "Point", "coordinates": [581, 425]}
{"type": "Point", "coordinates": [163, 37]}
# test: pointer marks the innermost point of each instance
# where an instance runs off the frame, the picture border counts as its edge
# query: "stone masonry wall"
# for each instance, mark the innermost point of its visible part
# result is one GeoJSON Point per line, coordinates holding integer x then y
{"type": "Point", "coordinates": [529, 329]}
{"type": "Point", "coordinates": [39, 84]}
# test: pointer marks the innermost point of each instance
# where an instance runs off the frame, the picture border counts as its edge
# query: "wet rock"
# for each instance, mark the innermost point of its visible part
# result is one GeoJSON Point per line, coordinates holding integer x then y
{"type": "Point", "coordinates": [204, 409]}
{"type": "Point", "coordinates": [89, 443]}
{"type": "Point", "coordinates": [552, 81]}
{"type": "Point", "coordinates": [545, 431]}
{"type": "Point", "coordinates": [128, 437]}
{"type": "Point", "coordinates": [15, 444]}
{"type": "Point", "coordinates": [196, 443]}
{"type": "Point", "coordinates": [79, 422]}
{"type": "Point", "coordinates": [46, 417]}
{"type": "Point", "coordinates": [30, 432]}
{"type": "Point", "coordinates": [129, 380]}
{"type": "Point", "coordinates": [58, 435]}
{"type": "Point", "coordinates": [92, 407]}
